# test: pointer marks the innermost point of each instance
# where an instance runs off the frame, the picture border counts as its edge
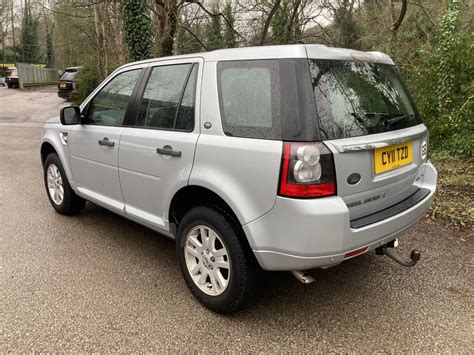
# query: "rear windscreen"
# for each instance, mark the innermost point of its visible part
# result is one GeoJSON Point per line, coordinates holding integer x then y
{"type": "Point", "coordinates": [359, 98]}
{"type": "Point", "coordinates": [69, 75]}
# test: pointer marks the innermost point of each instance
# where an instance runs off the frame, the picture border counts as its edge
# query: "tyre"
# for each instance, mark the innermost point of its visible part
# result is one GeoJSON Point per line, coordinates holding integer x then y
{"type": "Point", "coordinates": [218, 268]}
{"type": "Point", "coordinates": [60, 194]}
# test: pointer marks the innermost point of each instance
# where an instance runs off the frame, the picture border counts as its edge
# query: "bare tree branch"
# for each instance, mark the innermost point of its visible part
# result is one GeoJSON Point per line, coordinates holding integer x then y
{"type": "Point", "coordinates": [197, 2]}
{"type": "Point", "coordinates": [195, 36]}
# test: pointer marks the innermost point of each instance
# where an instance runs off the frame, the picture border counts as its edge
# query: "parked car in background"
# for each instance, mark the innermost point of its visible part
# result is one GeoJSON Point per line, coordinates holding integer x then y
{"type": "Point", "coordinates": [13, 80]}
{"type": "Point", "coordinates": [276, 158]}
{"type": "Point", "coordinates": [68, 82]}
{"type": "Point", "coordinates": [2, 81]}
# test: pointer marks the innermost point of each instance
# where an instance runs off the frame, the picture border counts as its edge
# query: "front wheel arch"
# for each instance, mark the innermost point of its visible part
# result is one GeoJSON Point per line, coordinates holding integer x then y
{"type": "Point", "coordinates": [46, 149]}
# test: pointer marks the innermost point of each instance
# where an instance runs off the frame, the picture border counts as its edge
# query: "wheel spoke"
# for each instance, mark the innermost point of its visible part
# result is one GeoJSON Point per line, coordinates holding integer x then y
{"type": "Point", "coordinates": [214, 281]}
{"type": "Point", "coordinates": [50, 181]}
{"type": "Point", "coordinates": [192, 251]}
{"type": "Point", "coordinates": [212, 240]}
{"type": "Point", "coordinates": [222, 264]}
{"type": "Point", "coordinates": [203, 277]}
{"type": "Point", "coordinates": [220, 279]}
{"type": "Point", "coordinates": [204, 237]}
{"type": "Point", "coordinates": [220, 252]}
{"type": "Point", "coordinates": [194, 241]}
{"type": "Point", "coordinates": [196, 269]}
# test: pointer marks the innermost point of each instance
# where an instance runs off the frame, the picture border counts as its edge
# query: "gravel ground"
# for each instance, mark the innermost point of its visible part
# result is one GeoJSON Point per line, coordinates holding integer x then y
{"type": "Point", "coordinates": [97, 282]}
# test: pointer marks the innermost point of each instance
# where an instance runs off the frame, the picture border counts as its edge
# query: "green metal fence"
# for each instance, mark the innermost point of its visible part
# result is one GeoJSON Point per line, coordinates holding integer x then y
{"type": "Point", "coordinates": [31, 75]}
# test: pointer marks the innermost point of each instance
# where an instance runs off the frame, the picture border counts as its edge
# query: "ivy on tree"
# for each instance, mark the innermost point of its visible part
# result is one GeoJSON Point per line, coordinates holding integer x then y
{"type": "Point", "coordinates": [137, 28]}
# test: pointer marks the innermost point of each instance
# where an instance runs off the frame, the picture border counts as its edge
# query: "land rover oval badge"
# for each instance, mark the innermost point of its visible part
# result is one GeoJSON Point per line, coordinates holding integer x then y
{"type": "Point", "coordinates": [353, 179]}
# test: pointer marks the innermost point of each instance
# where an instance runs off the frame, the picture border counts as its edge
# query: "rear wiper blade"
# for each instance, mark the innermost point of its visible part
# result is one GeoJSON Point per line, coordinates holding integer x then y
{"type": "Point", "coordinates": [393, 120]}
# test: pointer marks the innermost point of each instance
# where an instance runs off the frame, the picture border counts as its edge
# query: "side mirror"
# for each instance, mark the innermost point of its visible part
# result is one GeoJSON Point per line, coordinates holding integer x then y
{"type": "Point", "coordinates": [70, 115]}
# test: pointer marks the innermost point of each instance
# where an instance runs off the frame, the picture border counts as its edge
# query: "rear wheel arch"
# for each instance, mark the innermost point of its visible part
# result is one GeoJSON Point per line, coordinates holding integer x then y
{"type": "Point", "coordinates": [192, 196]}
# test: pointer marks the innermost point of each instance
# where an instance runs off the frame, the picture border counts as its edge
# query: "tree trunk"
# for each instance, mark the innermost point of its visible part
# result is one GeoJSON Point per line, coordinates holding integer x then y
{"type": "Point", "coordinates": [171, 25]}
{"type": "Point", "coordinates": [13, 24]}
{"type": "Point", "coordinates": [167, 25]}
{"type": "Point", "coordinates": [101, 40]}
{"type": "Point", "coordinates": [268, 21]}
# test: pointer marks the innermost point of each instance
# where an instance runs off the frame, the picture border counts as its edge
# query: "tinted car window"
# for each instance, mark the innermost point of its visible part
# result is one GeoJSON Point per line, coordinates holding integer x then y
{"type": "Point", "coordinates": [69, 75]}
{"type": "Point", "coordinates": [249, 97]}
{"type": "Point", "coordinates": [358, 98]}
{"type": "Point", "coordinates": [162, 96]}
{"type": "Point", "coordinates": [108, 107]}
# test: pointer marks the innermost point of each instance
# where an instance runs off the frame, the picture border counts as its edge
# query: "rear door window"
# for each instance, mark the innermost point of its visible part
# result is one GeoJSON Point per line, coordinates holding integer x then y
{"type": "Point", "coordinates": [168, 100]}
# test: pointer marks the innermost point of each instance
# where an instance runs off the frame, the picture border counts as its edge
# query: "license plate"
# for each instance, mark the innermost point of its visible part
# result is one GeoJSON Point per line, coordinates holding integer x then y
{"type": "Point", "coordinates": [392, 157]}
{"type": "Point", "coordinates": [62, 86]}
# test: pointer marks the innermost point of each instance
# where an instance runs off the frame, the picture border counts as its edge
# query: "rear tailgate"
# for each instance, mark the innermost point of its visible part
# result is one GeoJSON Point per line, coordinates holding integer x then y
{"type": "Point", "coordinates": [366, 184]}
{"type": "Point", "coordinates": [370, 122]}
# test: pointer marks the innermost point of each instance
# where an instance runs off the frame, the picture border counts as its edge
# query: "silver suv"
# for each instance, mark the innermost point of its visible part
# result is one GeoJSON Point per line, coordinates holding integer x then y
{"type": "Point", "coordinates": [275, 158]}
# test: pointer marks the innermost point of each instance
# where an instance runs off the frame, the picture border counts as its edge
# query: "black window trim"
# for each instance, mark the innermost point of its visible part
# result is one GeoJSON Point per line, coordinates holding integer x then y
{"type": "Point", "coordinates": [130, 104]}
{"type": "Point", "coordinates": [141, 91]}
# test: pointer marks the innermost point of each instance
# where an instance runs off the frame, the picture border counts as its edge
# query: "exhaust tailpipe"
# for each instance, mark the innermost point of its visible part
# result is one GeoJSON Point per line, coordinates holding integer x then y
{"type": "Point", "coordinates": [303, 277]}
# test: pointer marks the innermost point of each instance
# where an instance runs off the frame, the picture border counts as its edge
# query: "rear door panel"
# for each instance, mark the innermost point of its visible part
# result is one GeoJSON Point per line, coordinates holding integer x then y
{"type": "Point", "coordinates": [149, 179]}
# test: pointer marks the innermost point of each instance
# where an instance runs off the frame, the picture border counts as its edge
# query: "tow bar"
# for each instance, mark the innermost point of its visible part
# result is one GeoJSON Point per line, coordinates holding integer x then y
{"type": "Point", "coordinates": [386, 250]}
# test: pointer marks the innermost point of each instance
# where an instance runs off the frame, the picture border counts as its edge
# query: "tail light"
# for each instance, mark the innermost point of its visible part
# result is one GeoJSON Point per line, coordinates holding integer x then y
{"type": "Point", "coordinates": [307, 171]}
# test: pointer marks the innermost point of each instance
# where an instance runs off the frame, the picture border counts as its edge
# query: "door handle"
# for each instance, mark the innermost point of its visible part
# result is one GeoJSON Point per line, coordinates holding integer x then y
{"type": "Point", "coordinates": [168, 150]}
{"type": "Point", "coordinates": [105, 142]}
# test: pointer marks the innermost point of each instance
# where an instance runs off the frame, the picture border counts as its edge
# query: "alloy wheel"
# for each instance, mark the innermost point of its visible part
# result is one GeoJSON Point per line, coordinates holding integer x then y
{"type": "Point", "coordinates": [207, 260]}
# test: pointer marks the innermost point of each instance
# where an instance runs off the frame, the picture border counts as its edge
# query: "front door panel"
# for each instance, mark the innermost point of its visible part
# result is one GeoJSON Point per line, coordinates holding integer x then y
{"type": "Point", "coordinates": [95, 166]}
{"type": "Point", "coordinates": [94, 144]}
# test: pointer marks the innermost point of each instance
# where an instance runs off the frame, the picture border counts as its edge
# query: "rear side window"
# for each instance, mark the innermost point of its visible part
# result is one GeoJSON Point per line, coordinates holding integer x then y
{"type": "Point", "coordinates": [249, 97]}
{"type": "Point", "coordinates": [359, 98]}
{"type": "Point", "coordinates": [69, 75]}
{"type": "Point", "coordinates": [168, 100]}
{"type": "Point", "coordinates": [267, 99]}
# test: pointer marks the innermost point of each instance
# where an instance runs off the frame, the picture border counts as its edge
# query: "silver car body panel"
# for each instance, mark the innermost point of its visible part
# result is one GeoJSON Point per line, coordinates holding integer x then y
{"type": "Point", "coordinates": [382, 190]}
{"type": "Point", "coordinates": [320, 235]}
{"type": "Point", "coordinates": [134, 181]}
{"type": "Point", "coordinates": [95, 167]}
{"type": "Point", "coordinates": [243, 172]}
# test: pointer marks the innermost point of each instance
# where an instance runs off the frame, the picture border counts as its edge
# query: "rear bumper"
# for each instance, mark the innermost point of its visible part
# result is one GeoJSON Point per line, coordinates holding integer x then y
{"type": "Point", "coordinates": [306, 234]}
{"type": "Point", "coordinates": [64, 94]}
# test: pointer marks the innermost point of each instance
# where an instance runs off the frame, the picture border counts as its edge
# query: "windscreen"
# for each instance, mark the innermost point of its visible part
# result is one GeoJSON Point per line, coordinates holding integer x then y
{"type": "Point", "coordinates": [69, 75]}
{"type": "Point", "coordinates": [358, 98]}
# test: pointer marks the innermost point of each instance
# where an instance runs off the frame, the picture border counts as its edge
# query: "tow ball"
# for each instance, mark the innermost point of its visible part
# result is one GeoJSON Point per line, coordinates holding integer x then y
{"type": "Point", "coordinates": [387, 250]}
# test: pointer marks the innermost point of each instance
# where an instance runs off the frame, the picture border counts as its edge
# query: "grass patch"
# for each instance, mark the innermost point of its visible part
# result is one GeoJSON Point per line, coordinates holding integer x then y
{"type": "Point", "coordinates": [454, 201]}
